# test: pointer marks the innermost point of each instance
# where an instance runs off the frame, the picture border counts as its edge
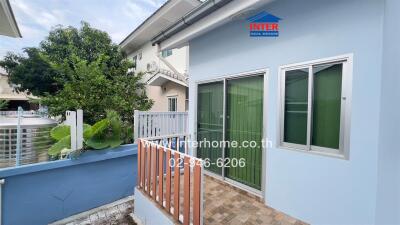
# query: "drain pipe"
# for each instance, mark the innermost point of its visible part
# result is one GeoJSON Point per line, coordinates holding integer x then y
{"type": "Point", "coordinates": [1, 201]}
{"type": "Point", "coordinates": [193, 16]}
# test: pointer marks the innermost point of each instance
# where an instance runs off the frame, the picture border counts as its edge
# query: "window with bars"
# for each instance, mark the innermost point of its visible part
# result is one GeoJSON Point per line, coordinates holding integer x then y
{"type": "Point", "coordinates": [172, 104]}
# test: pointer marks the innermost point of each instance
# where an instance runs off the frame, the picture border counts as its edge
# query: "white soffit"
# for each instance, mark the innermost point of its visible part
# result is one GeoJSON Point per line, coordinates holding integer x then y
{"type": "Point", "coordinates": [215, 19]}
{"type": "Point", "coordinates": [168, 14]}
{"type": "Point", "coordinates": [8, 25]}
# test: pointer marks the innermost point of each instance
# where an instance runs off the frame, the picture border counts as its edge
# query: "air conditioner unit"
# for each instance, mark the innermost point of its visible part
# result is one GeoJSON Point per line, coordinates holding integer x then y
{"type": "Point", "coordinates": [152, 66]}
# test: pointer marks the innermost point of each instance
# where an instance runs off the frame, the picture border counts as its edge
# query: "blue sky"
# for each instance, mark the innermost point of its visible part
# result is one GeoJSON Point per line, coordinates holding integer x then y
{"type": "Point", "coordinates": [35, 18]}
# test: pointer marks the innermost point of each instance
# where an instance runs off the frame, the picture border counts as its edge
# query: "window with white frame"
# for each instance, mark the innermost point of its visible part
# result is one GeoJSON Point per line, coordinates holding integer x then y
{"type": "Point", "coordinates": [315, 99]}
{"type": "Point", "coordinates": [134, 60]}
{"type": "Point", "coordinates": [165, 53]}
{"type": "Point", "coordinates": [172, 104]}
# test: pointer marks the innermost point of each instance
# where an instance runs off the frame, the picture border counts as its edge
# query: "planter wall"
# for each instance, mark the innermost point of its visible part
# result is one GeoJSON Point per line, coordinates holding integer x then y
{"type": "Point", "coordinates": [46, 192]}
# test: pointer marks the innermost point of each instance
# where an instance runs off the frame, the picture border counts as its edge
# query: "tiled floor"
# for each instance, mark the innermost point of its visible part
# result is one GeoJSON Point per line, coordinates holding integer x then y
{"type": "Point", "coordinates": [227, 205]}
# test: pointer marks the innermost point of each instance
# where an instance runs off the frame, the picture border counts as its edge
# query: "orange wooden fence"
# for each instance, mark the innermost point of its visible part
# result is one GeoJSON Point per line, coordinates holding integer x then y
{"type": "Point", "coordinates": [159, 176]}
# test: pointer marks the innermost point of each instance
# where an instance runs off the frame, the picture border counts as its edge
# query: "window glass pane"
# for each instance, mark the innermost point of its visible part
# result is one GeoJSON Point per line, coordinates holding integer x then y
{"type": "Point", "coordinates": [244, 122]}
{"type": "Point", "coordinates": [172, 107]}
{"type": "Point", "coordinates": [296, 103]}
{"type": "Point", "coordinates": [134, 60]}
{"type": "Point", "coordinates": [166, 53]}
{"type": "Point", "coordinates": [210, 122]}
{"type": "Point", "coordinates": [326, 105]}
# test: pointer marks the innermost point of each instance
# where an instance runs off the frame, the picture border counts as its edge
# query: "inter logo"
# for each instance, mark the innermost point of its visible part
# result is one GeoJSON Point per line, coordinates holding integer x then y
{"type": "Point", "coordinates": [264, 25]}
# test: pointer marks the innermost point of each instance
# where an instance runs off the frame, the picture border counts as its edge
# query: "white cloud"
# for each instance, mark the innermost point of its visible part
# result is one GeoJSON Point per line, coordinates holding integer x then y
{"type": "Point", "coordinates": [136, 11]}
{"type": "Point", "coordinates": [41, 16]}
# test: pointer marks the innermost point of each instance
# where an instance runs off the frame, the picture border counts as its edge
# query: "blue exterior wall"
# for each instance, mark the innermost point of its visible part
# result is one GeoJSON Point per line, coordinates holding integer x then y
{"type": "Point", "coordinates": [42, 193]}
{"type": "Point", "coordinates": [314, 188]}
{"type": "Point", "coordinates": [388, 197]}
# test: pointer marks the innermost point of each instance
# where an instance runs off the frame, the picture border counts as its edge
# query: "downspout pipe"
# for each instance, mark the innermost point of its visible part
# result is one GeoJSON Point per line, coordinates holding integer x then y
{"type": "Point", "coordinates": [192, 17]}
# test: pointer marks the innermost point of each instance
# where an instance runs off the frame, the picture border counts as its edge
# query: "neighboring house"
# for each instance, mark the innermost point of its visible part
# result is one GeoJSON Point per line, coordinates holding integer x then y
{"type": "Point", "coordinates": [13, 98]}
{"type": "Point", "coordinates": [319, 81]}
{"type": "Point", "coordinates": [8, 25]}
{"type": "Point", "coordinates": [165, 72]}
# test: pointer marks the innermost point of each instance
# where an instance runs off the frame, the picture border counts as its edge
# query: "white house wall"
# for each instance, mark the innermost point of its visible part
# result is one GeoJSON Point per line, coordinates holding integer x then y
{"type": "Point", "coordinates": [317, 189]}
{"type": "Point", "coordinates": [160, 94]}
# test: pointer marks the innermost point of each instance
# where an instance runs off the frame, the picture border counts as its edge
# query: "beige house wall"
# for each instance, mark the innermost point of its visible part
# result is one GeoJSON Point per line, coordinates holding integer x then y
{"type": "Point", "coordinates": [160, 94]}
{"type": "Point", "coordinates": [8, 93]}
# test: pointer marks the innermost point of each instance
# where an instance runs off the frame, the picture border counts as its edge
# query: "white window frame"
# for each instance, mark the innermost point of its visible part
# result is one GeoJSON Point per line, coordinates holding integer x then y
{"type": "Point", "coordinates": [345, 114]}
{"type": "Point", "coordinates": [266, 73]}
{"type": "Point", "coordinates": [135, 60]}
{"type": "Point", "coordinates": [176, 103]}
{"type": "Point", "coordinates": [166, 52]}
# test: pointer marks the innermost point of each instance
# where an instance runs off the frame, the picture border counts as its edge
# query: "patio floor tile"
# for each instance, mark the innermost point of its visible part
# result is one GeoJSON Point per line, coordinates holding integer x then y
{"type": "Point", "coordinates": [225, 204]}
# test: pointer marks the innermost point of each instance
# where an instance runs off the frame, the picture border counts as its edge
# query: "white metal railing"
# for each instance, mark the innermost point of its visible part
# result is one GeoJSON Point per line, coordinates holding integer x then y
{"type": "Point", "coordinates": [160, 124]}
{"type": "Point", "coordinates": [176, 76]}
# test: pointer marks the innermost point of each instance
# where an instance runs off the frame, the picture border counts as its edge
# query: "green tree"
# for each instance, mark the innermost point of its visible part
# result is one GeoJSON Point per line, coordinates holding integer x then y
{"type": "Point", "coordinates": [79, 69]}
{"type": "Point", "coordinates": [90, 90]}
{"type": "Point", "coordinates": [33, 73]}
{"type": "Point", "coordinates": [38, 70]}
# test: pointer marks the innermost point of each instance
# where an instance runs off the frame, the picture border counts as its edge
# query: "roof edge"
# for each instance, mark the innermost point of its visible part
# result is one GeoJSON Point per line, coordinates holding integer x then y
{"type": "Point", "coordinates": [144, 22]}
{"type": "Point", "coordinates": [11, 18]}
{"type": "Point", "coordinates": [180, 34]}
{"type": "Point", "coordinates": [198, 13]}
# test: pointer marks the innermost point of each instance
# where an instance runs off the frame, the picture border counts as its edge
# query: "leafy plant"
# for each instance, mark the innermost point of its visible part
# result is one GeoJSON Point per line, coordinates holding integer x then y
{"type": "Point", "coordinates": [3, 104]}
{"type": "Point", "coordinates": [106, 133]}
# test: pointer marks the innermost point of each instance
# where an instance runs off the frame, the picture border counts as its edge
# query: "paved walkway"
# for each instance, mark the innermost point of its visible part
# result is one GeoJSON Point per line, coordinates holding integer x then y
{"type": "Point", "coordinates": [227, 205]}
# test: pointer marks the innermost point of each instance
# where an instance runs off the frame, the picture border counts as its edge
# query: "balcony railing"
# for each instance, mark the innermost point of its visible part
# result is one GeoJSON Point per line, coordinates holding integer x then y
{"type": "Point", "coordinates": [159, 125]}
{"type": "Point", "coordinates": [160, 177]}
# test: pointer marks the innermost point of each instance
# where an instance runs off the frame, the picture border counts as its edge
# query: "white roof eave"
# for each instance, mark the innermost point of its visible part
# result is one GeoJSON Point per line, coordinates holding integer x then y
{"type": "Point", "coordinates": [9, 26]}
{"type": "Point", "coordinates": [168, 14]}
{"type": "Point", "coordinates": [212, 21]}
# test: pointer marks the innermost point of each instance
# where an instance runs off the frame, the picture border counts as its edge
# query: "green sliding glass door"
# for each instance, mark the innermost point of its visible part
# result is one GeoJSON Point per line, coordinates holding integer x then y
{"type": "Point", "coordinates": [243, 125]}
{"type": "Point", "coordinates": [210, 122]}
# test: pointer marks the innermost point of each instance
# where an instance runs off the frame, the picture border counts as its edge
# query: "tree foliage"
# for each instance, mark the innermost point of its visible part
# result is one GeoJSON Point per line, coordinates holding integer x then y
{"type": "Point", "coordinates": [79, 69]}
{"type": "Point", "coordinates": [3, 104]}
